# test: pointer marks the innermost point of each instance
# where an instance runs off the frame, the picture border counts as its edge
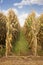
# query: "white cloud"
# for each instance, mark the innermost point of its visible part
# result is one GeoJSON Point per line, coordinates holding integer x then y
{"type": "Point", "coordinates": [28, 2]}
{"type": "Point", "coordinates": [39, 2]}
{"type": "Point", "coordinates": [37, 15]}
{"type": "Point", "coordinates": [22, 3]}
{"type": "Point", "coordinates": [5, 12]}
{"type": "Point", "coordinates": [22, 18]}
{"type": "Point", "coordinates": [20, 6]}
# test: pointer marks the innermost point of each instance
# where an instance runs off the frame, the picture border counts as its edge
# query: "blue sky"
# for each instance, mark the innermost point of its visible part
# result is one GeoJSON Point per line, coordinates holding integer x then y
{"type": "Point", "coordinates": [22, 7]}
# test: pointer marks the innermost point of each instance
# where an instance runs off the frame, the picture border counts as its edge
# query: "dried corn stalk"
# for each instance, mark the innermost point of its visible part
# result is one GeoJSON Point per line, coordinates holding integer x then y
{"type": "Point", "coordinates": [13, 30]}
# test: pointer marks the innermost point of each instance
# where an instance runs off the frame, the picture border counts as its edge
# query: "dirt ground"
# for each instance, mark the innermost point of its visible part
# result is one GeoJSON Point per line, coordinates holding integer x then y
{"type": "Point", "coordinates": [22, 60]}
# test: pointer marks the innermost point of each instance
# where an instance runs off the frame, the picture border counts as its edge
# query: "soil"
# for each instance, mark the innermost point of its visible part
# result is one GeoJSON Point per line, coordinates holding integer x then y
{"type": "Point", "coordinates": [21, 60]}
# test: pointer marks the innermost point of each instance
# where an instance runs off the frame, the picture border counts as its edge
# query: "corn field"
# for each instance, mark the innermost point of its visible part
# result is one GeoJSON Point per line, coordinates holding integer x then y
{"type": "Point", "coordinates": [10, 31]}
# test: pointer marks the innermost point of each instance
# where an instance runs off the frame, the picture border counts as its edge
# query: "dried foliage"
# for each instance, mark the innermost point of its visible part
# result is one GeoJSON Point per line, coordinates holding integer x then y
{"type": "Point", "coordinates": [27, 27]}
{"type": "Point", "coordinates": [31, 30]}
{"type": "Point", "coordinates": [10, 28]}
{"type": "Point", "coordinates": [3, 28]}
{"type": "Point", "coordinates": [13, 30]}
{"type": "Point", "coordinates": [40, 34]}
{"type": "Point", "coordinates": [13, 24]}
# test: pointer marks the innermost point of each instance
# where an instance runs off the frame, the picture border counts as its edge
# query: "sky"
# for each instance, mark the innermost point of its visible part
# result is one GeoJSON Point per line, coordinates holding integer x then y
{"type": "Point", "coordinates": [22, 8]}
